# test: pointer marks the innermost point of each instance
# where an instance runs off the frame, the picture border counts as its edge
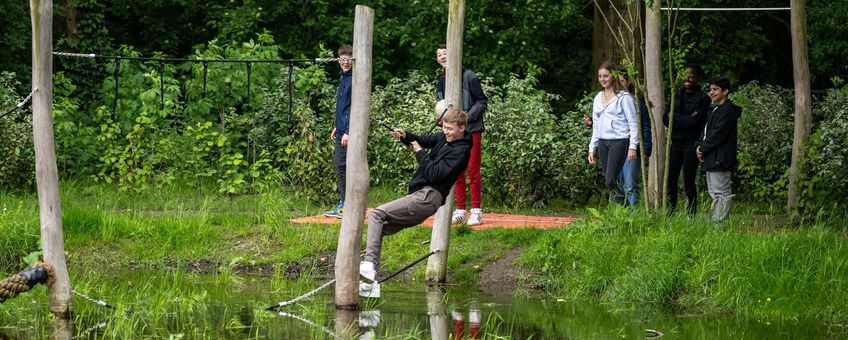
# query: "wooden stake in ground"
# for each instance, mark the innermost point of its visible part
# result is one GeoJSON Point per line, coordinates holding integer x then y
{"type": "Point", "coordinates": [46, 174]}
{"type": "Point", "coordinates": [803, 110]}
{"type": "Point", "coordinates": [440, 239]}
{"type": "Point", "coordinates": [653, 78]}
{"type": "Point", "coordinates": [356, 195]}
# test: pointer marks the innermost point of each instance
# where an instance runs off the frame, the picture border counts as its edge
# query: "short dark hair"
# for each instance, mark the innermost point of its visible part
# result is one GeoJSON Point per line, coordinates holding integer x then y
{"type": "Point", "coordinates": [442, 47]}
{"type": "Point", "coordinates": [346, 49]}
{"type": "Point", "coordinates": [699, 71]}
{"type": "Point", "coordinates": [721, 82]}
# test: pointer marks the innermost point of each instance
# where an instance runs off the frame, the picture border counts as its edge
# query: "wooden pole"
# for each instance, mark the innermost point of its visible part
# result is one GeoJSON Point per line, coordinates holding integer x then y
{"type": "Point", "coordinates": [653, 77]}
{"type": "Point", "coordinates": [356, 195]}
{"type": "Point", "coordinates": [46, 174]}
{"type": "Point", "coordinates": [803, 109]}
{"type": "Point", "coordinates": [440, 239]}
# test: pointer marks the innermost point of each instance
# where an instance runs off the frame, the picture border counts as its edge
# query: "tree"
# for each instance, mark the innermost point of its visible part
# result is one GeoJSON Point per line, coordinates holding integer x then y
{"type": "Point", "coordinates": [803, 110]}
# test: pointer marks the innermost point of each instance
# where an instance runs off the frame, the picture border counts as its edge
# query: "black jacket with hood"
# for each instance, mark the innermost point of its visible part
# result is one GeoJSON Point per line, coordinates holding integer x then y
{"type": "Point", "coordinates": [442, 165]}
{"type": "Point", "coordinates": [718, 140]}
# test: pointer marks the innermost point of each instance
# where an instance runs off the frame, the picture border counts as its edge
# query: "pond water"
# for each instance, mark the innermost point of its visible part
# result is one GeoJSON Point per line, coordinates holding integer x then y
{"type": "Point", "coordinates": [176, 305]}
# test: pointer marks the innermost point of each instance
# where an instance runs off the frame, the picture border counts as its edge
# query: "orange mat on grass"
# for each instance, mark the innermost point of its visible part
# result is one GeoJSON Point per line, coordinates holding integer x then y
{"type": "Point", "coordinates": [490, 220]}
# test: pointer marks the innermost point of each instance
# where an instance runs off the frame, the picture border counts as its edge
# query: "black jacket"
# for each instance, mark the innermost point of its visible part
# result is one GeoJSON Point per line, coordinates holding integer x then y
{"type": "Point", "coordinates": [442, 165]}
{"type": "Point", "coordinates": [687, 128]}
{"type": "Point", "coordinates": [474, 100]}
{"type": "Point", "coordinates": [718, 141]}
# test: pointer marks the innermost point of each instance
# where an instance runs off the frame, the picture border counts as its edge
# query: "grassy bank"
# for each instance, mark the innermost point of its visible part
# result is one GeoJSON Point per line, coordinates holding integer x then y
{"type": "Point", "coordinates": [692, 267]}
{"type": "Point", "coordinates": [621, 258]}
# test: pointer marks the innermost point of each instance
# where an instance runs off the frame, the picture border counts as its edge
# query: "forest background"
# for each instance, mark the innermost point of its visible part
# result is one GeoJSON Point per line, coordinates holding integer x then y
{"type": "Point", "coordinates": [536, 58]}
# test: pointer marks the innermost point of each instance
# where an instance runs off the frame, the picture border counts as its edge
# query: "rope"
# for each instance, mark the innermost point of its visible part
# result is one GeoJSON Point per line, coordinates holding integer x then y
{"type": "Point", "coordinates": [316, 290]}
{"type": "Point", "coordinates": [100, 303]}
{"type": "Point", "coordinates": [24, 281]}
{"type": "Point", "coordinates": [196, 60]}
{"type": "Point", "coordinates": [723, 9]}
{"type": "Point", "coordinates": [22, 103]}
{"type": "Point", "coordinates": [308, 322]}
{"type": "Point", "coordinates": [302, 297]}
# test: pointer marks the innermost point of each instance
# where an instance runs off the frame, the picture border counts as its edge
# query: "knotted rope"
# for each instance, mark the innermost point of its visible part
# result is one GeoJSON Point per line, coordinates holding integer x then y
{"type": "Point", "coordinates": [24, 281]}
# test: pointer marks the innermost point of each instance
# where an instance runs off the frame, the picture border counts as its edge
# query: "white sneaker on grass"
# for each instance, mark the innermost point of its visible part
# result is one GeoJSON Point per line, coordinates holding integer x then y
{"type": "Point", "coordinates": [458, 216]}
{"type": "Point", "coordinates": [476, 216]}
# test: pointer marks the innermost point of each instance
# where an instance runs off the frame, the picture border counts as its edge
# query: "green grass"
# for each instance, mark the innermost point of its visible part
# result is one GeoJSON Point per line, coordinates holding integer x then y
{"type": "Point", "coordinates": [690, 266]}
{"type": "Point", "coordinates": [616, 257]}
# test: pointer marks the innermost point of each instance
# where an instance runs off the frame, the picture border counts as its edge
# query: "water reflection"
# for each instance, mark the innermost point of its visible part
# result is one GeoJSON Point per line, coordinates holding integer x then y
{"type": "Point", "coordinates": [437, 313]}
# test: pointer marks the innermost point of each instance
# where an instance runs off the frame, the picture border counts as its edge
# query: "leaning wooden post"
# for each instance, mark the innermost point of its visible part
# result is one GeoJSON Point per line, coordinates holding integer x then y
{"type": "Point", "coordinates": [653, 78]}
{"type": "Point", "coordinates": [803, 109]}
{"type": "Point", "coordinates": [356, 195]}
{"type": "Point", "coordinates": [437, 264]}
{"type": "Point", "coordinates": [46, 174]}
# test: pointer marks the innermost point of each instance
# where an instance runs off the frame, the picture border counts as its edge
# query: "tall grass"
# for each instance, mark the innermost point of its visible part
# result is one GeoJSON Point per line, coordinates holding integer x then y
{"type": "Point", "coordinates": [692, 266]}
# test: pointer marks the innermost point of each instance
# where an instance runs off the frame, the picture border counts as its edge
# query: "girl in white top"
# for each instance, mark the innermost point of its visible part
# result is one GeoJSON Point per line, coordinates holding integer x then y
{"type": "Point", "coordinates": [615, 132]}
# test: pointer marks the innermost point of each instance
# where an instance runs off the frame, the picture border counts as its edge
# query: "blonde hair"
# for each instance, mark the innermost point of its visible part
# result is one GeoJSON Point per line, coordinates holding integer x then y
{"type": "Point", "coordinates": [456, 116]}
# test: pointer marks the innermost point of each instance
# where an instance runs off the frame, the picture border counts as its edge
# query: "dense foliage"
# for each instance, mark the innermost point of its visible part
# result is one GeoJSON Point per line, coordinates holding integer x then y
{"type": "Point", "coordinates": [17, 163]}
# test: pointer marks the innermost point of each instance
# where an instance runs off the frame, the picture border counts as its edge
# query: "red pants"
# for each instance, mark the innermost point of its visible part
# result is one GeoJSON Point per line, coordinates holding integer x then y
{"type": "Point", "coordinates": [473, 171]}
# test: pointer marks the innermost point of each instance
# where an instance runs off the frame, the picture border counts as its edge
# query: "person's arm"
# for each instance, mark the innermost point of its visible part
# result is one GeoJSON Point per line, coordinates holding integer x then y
{"type": "Point", "coordinates": [428, 141]}
{"type": "Point", "coordinates": [478, 97]}
{"type": "Point", "coordinates": [719, 129]}
{"type": "Point", "coordinates": [440, 88]}
{"type": "Point", "coordinates": [437, 171]}
{"type": "Point", "coordinates": [593, 141]}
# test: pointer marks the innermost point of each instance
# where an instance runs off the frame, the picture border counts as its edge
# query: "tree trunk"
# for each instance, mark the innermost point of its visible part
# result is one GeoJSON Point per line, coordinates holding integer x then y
{"type": "Point", "coordinates": [438, 263]}
{"type": "Point", "coordinates": [610, 23]}
{"type": "Point", "coordinates": [356, 195]}
{"type": "Point", "coordinates": [803, 110]}
{"type": "Point", "coordinates": [46, 173]}
{"type": "Point", "coordinates": [71, 19]}
{"type": "Point", "coordinates": [656, 99]}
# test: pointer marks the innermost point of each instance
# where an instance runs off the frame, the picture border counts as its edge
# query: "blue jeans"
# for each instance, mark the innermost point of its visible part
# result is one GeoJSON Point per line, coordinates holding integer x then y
{"type": "Point", "coordinates": [631, 176]}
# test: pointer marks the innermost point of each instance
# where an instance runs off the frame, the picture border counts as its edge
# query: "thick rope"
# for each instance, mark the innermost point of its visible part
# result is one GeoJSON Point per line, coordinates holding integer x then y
{"type": "Point", "coordinates": [24, 281]}
{"type": "Point", "coordinates": [22, 103]}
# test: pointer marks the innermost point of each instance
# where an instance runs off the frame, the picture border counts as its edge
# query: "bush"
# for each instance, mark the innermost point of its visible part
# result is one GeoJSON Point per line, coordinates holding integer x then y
{"type": "Point", "coordinates": [827, 153]}
{"type": "Point", "coordinates": [17, 168]}
{"type": "Point", "coordinates": [765, 141]}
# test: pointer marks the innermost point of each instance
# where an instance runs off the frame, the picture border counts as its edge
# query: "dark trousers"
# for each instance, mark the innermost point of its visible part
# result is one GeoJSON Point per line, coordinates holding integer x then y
{"type": "Point", "coordinates": [682, 156]}
{"type": "Point", "coordinates": [613, 153]}
{"type": "Point", "coordinates": [340, 164]}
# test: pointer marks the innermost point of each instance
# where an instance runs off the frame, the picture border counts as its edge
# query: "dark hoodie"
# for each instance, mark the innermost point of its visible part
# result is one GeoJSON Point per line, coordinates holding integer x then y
{"type": "Point", "coordinates": [718, 140]}
{"type": "Point", "coordinates": [686, 127]}
{"type": "Point", "coordinates": [442, 165]}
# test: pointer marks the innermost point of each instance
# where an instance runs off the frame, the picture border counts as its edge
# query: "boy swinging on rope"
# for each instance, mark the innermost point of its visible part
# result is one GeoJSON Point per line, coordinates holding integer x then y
{"type": "Point", "coordinates": [431, 183]}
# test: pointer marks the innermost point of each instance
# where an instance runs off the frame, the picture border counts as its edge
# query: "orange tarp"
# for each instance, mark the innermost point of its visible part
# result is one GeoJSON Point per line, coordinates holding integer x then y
{"type": "Point", "coordinates": [490, 220]}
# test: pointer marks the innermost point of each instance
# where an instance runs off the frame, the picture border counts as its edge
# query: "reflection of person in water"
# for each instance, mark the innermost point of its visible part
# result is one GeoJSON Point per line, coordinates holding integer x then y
{"type": "Point", "coordinates": [473, 323]}
{"type": "Point", "coordinates": [368, 322]}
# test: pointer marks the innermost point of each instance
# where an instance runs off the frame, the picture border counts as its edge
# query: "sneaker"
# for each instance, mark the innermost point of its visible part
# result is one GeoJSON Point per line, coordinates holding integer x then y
{"type": "Point", "coordinates": [336, 212]}
{"type": "Point", "coordinates": [367, 271]}
{"type": "Point", "coordinates": [369, 290]}
{"type": "Point", "coordinates": [476, 216]}
{"type": "Point", "coordinates": [458, 216]}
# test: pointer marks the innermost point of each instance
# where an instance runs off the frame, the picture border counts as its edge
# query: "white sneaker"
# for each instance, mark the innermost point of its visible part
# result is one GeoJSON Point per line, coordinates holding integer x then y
{"type": "Point", "coordinates": [367, 271]}
{"type": "Point", "coordinates": [369, 319]}
{"type": "Point", "coordinates": [458, 216]}
{"type": "Point", "coordinates": [369, 290]}
{"type": "Point", "coordinates": [476, 216]}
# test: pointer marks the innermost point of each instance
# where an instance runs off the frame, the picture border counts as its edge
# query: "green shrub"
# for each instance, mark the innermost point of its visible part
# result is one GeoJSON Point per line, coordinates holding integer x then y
{"type": "Point", "coordinates": [765, 141]}
{"type": "Point", "coordinates": [17, 167]}
{"type": "Point", "coordinates": [827, 154]}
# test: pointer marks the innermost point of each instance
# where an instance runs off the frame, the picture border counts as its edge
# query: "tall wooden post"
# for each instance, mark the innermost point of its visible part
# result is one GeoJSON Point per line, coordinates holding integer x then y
{"type": "Point", "coordinates": [46, 174]}
{"type": "Point", "coordinates": [803, 110]}
{"type": "Point", "coordinates": [440, 239]}
{"type": "Point", "coordinates": [356, 195]}
{"type": "Point", "coordinates": [653, 77]}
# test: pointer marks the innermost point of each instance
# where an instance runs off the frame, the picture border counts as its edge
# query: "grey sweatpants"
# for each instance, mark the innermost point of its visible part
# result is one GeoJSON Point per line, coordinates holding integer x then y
{"type": "Point", "coordinates": [719, 186]}
{"type": "Point", "coordinates": [402, 213]}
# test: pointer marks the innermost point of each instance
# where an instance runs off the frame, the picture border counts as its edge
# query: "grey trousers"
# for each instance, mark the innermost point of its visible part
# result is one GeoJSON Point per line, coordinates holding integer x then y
{"type": "Point", "coordinates": [340, 164]}
{"type": "Point", "coordinates": [402, 213]}
{"type": "Point", "coordinates": [719, 186]}
{"type": "Point", "coordinates": [613, 153]}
